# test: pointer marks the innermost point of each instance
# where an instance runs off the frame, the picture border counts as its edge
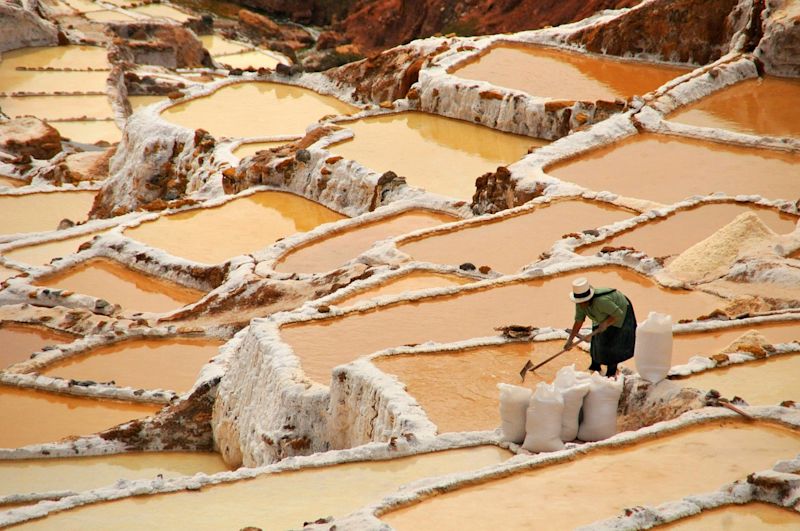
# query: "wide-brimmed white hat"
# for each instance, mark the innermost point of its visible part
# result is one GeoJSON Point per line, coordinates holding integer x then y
{"type": "Point", "coordinates": [582, 291]}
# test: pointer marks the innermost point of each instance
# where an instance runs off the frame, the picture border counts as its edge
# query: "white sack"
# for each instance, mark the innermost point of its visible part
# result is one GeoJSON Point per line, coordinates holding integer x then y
{"type": "Point", "coordinates": [514, 402]}
{"type": "Point", "coordinates": [653, 350]}
{"type": "Point", "coordinates": [600, 408]}
{"type": "Point", "coordinates": [543, 424]}
{"type": "Point", "coordinates": [573, 387]}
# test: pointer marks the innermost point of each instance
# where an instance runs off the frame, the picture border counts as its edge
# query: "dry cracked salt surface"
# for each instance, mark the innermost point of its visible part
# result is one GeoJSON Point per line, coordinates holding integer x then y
{"type": "Point", "coordinates": [678, 200]}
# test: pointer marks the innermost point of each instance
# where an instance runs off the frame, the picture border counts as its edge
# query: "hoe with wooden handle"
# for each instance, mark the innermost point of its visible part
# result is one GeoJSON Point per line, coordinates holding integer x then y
{"type": "Point", "coordinates": [529, 366]}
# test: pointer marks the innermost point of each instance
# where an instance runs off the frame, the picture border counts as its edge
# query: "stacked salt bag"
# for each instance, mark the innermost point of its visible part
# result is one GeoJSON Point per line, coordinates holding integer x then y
{"type": "Point", "coordinates": [514, 401]}
{"type": "Point", "coordinates": [653, 350]}
{"type": "Point", "coordinates": [543, 423]}
{"type": "Point", "coordinates": [600, 408]}
{"type": "Point", "coordinates": [573, 386]}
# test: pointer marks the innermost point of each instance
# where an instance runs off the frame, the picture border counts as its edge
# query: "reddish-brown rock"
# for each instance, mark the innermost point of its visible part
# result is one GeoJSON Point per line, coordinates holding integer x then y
{"type": "Point", "coordinates": [29, 137]}
{"type": "Point", "coordinates": [20, 28]}
{"type": "Point", "coordinates": [779, 48]}
{"type": "Point", "coordinates": [154, 43]}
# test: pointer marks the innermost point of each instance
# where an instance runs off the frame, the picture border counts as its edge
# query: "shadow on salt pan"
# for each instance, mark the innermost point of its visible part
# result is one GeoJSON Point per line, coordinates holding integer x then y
{"type": "Point", "coordinates": [668, 169]}
{"type": "Point", "coordinates": [274, 501]}
{"type": "Point", "coordinates": [322, 344]}
{"type": "Point", "coordinates": [604, 482]}
{"type": "Point", "coordinates": [18, 341]}
{"type": "Point", "coordinates": [441, 155]}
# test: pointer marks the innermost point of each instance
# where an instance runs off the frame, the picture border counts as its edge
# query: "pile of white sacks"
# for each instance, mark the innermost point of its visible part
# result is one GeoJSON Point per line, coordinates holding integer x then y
{"type": "Point", "coordinates": [579, 405]}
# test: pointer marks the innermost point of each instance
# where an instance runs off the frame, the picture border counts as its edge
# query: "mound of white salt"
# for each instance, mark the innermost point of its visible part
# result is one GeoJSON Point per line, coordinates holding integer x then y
{"type": "Point", "coordinates": [714, 256]}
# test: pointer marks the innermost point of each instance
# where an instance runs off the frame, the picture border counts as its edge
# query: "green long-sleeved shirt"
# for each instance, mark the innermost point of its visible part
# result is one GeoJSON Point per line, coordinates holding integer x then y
{"type": "Point", "coordinates": [605, 303]}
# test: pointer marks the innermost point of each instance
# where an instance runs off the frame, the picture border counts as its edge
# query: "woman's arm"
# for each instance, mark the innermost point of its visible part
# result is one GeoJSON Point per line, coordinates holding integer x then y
{"type": "Point", "coordinates": [576, 327]}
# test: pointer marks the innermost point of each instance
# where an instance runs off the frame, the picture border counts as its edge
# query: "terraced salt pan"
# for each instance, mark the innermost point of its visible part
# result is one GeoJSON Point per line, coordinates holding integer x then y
{"type": "Point", "coordinates": [603, 483]}
{"type": "Point", "coordinates": [754, 106]}
{"type": "Point", "coordinates": [251, 148]}
{"type": "Point", "coordinates": [41, 254]}
{"type": "Point", "coordinates": [324, 344]}
{"type": "Point", "coordinates": [509, 243]}
{"type": "Point", "coordinates": [458, 390]}
{"type": "Point", "coordinates": [416, 280]}
{"type": "Point", "coordinates": [57, 107]}
{"type": "Point", "coordinates": [42, 211]}
{"type": "Point", "coordinates": [7, 272]}
{"type": "Point", "coordinates": [669, 169]}
{"type": "Point", "coordinates": [72, 56]}
{"type": "Point", "coordinates": [244, 225]}
{"type": "Point", "coordinates": [8, 181]}
{"type": "Point", "coordinates": [24, 476]}
{"type": "Point", "coordinates": [764, 382]}
{"type": "Point", "coordinates": [19, 341]}
{"type": "Point", "coordinates": [89, 132]}
{"type": "Point", "coordinates": [672, 235]}
{"type": "Point", "coordinates": [108, 16]}
{"type": "Point", "coordinates": [217, 45]}
{"type": "Point", "coordinates": [255, 59]}
{"type": "Point", "coordinates": [330, 252]}
{"type": "Point", "coordinates": [83, 6]}
{"type": "Point", "coordinates": [273, 501]}
{"type": "Point", "coordinates": [49, 82]}
{"type": "Point", "coordinates": [684, 346]}
{"type": "Point", "coordinates": [255, 109]}
{"type": "Point", "coordinates": [745, 517]}
{"type": "Point", "coordinates": [130, 363]}
{"type": "Point", "coordinates": [439, 154]}
{"type": "Point", "coordinates": [117, 284]}
{"type": "Point", "coordinates": [137, 102]}
{"type": "Point", "coordinates": [562, 75]}
{"type": "Point", "coordinates": [162, 11]}
{"type": "Point", "coordinates": [40, 417]}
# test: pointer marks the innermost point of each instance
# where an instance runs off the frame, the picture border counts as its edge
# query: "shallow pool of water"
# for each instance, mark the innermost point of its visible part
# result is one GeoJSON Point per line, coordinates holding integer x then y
{"type": "Point", "coordinates": [275, 501]}
{"type": "Point", "coordinates": [72, 56]}
{"type": "Point", "coordinates": [217, 45]}
{"type": "Point", "coordinates": [244, 225]}
{"type": "Point", "coordinates": [684, 346]}
{"type": "Point", "coordinates": [23, 476]}
{"type": "Point", "coordinates": [509, 244]}
{"type": "Point", "coordinates": [458, 390]}
{"type": "Point", "coordinates": [18, 341]}
{"type": "Point", "coordinates": [162, 11]}
{"type": "Point", "coordinates": [602, 484]}
{"type": "Point", "coordinates": [439, 154]}
{"type": "Point", "coordinates": [416, 280]}
{"type": "Point", "coordinates": [747, 517]}
{"type": "Point", "coordinates": [562, 75]}
{"type": "Point", "coordinates": [108, 16]}
{"type": "Point", "coordinates": [137, 102]}
{"type": "Point", "coordinates": [256, 109]}
{"type": "Point", "coordinates": [254, 59]}
{"type": "Point", "coordinates": [84, 6]}
{"type": "Point", "coordinates": [57, 107]}
{"type": "Point", "coordinates": [667, 169]}
{"type": "Point", "coordinates": [251, 148]}
{"type": "Point", "coordinates": [131, 363]}
{"type": "Point", "coordinates": [89, 132]}
{"type": "Point", "coordinates": [49, 82]}
{"type": "Point", "coordinates": [11, 183]}
{"type": "Point", "coordinates": [43, 253]}
{"type": "Point", "coordinates": [40, 417]}
{"type": "Point", "coordinates": [765, 382]}
{"type": "Point", "coordinates": [117, 284]}
{"type": "Point", "coordinates": [330, 252]}
{"type": "Point", "coordinates": [42, 211]}
{"type": "Point", "coordinates": [753, 106]}
{"type": "Point", "coordinates": [324, 344]}
{"type": "Point", "coordinates": [7, 272]}
{"type": "Point", "coordinates": [672, 235]}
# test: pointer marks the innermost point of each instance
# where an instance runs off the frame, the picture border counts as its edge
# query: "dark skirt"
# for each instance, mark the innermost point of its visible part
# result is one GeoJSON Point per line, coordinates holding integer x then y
{"type": "Point", "coordinates": [615, 345]}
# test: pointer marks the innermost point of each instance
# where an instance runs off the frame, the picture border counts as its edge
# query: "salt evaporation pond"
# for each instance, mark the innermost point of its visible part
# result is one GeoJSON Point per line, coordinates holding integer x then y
{"type": "Point", "coordinates": [42, 211]}
{"type": "Point", "coordinates": [510, 243]}
{"type": "Point", "coordinates": [254, 59]}
{"type": "Point", "coordinates": [248, 149]}
{"type": "Point", "coordinates": [231, 110]}
{"type": "Point", "coordinates": [603, 483]}
{"type": "Point", "coordinates": [83, 6]}
{"type": "Point", "coordinates": [416, 280]}
{"type": "Point", "coordinates": [108, 16]}
{"type": "Point", "coordinates": [458, 390]}
{"type": "Point", "coordinates": [12, 183]}
{"type": "Point", "coordinates": [7, 272]}
{"type": "Point", "coordinates": [754, 515]}
{"type": "Point", "coordinates": [89, 131]}
{"type": "Point", "coordinates": [130, 363]}
{"type": "Point", "coordinates": [323, 344]}
{"type": "Point", "coordinates": [668, 169]}
{"type": "Point", "coordinates": [19, 341]}
{"type": "Point", "coordinates": [754, 106]}
{"type": "Point", "coordinates": [48, 82]}
{"type": "Point", "coordinates": [558, 74]}
{"type": "Point", "coordinates": [439, 154]}
{"type": "Point", "coordinates": [674, 234]}
{"type": "Point", "coordinates": [42, 253]}
{"type": "Point", "coordinates": [57, 107]}
{"type": "Point", "coordinates": [162, 11]}
{"type": "Point", "coordinates": [684, 346]}
{"type": "Point", "coordinates": [24, 476]}
{"type": "Point", "coordinates": [244, 225]}
{"type": "Point", "coordinates": [41, 417]}
{"type": "Point", "coordinates": [330, 252]}
{"type": "Point", "coordinates": [274, 501]}
{"type": "Point", "coordinates": [217, 45]}
{"type": "Point", "coordinates": [134, 291]}
{"type": "Point", "coordinates": [72, 56]}
{"type": "Point", "coordinates": [765, 382]}
{"type": "Point", "coordinates": [137, 102]}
